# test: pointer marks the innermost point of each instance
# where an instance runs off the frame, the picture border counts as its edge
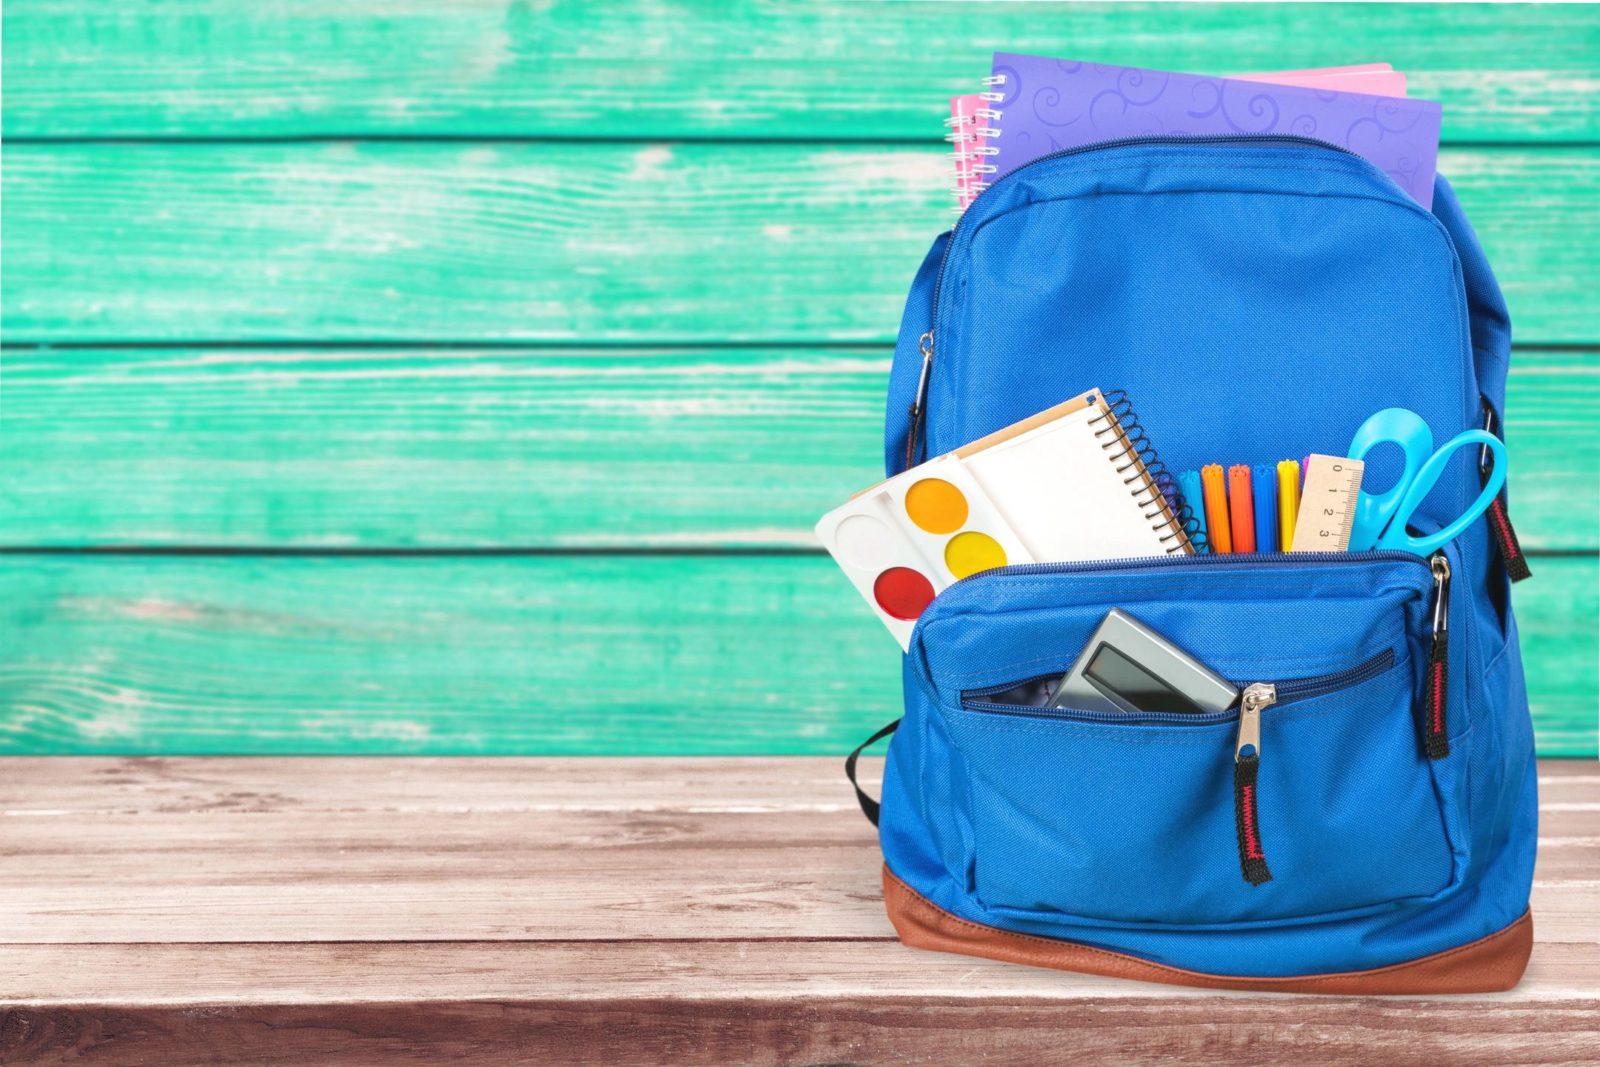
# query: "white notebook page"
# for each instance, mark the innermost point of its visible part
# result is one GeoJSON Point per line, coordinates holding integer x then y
{"type": "Point", "coordinates": [1062, 495]}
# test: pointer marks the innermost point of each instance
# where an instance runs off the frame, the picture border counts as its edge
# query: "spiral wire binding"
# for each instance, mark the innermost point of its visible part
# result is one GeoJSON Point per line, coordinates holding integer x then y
{"type": "Point", "coordinates": [963, 157]}
{"type": "Point", "coordinates": [1158, 490]}
{"type": "Point", "coordinates": [972, 170]}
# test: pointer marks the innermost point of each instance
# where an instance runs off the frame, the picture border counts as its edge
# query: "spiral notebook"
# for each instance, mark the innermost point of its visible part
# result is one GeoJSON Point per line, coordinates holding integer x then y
{"type": "Point", "coordinates": [1073, 485]}
{"type": "Point", "coordinates": [1069, 484]}
{"type": "Point", "coordinates": [1032, 106]}
{"type": "Point", "coordinates": [968, 124]}
{"type": "Point", "coordinates": [1046, 105]}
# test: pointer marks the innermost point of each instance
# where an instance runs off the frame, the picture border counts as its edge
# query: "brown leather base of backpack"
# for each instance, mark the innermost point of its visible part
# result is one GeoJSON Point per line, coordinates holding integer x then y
{"type": "Point", "coordinates": [1487, 965]}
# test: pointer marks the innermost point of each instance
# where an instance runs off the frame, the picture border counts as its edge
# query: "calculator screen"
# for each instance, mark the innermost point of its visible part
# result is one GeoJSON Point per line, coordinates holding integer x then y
{"type": "Point", "coordinates": [1115, 674]}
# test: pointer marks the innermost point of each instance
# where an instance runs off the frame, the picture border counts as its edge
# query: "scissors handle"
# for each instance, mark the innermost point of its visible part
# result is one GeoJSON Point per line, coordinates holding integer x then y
{"type": "Point", "coordinates": [1397, 537]}
{"type": "Point", "coordinates": [1375, 512]}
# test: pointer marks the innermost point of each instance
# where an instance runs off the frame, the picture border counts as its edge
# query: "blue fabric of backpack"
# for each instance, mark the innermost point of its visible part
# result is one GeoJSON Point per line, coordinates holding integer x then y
{"type": "Point", "coordinates": [1256, 298]}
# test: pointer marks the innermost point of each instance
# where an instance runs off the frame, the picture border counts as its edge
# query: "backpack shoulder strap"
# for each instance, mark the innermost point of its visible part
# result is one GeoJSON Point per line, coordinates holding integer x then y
{"type": "Point", "coordinates": [869, 807]}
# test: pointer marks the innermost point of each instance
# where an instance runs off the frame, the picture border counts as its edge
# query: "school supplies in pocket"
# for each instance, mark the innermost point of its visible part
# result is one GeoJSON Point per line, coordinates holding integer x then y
{"type": "Point", "coordinates": [1288, 501]}
{"type": "Point", "coordinates": [1127, 667]}
{"type": "Point", "coordinates": [1327, 504]}
{"type": "Point", "coordinates": [1381, 518]}
{"type": "Point", "coordinates": [1242, 508]}
{"type": "Point", "coordinates": [905, 539]}
{"type": "Point", "coordinates": [1068, 483]}
{"type": "Point", "coordinates": [1219, 531]}
{"type": "Point", "coordinates": [1265, 490]}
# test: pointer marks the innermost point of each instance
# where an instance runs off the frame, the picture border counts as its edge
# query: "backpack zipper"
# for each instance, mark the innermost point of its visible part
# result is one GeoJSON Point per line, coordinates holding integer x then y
{"type": "Point", "coordinates": [1500, 528]}
{"type": "Point", "coordinates": [1435, 691]}
{"type": "Point", "coordinates": [919, 401]}
{"type": "Point", "coordinates": [1287, 692]}
{"type": "Point", "coordinates": [1242, 560]}
{"type": "Point", "coordinates": [1246, 769]}
{"type": "Point", "coordinates": [1253, 700]}
{"type": "Point", "coordinates": [925, 343]}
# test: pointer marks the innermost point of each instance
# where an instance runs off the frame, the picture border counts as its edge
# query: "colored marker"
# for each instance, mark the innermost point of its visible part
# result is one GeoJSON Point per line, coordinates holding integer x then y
{"type": "Point", "coordinates": [1241, 509]}
{"type": "Point", "coordinates": [1216, 494]}
{"type": "Point", "coordinates": [1288, 502]}
{"type": "Point", "coordinates": [1266, 490]}
{"type": "Point", "coordinates": [1189, 484]}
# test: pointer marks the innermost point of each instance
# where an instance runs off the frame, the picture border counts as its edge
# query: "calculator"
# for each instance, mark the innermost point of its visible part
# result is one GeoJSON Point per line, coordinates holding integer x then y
{"type": "Point", "coordinates": [1128, 667]}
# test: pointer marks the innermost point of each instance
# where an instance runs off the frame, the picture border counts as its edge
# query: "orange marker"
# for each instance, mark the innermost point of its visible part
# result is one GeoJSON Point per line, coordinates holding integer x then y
{"type": "Point", "coordinates": [1216, 494]}
{"type": "Point", "coordinates": [1242, 508]}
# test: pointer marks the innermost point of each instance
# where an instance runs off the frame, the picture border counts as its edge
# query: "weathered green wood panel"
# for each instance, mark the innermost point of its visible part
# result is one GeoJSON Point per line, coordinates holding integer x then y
{"type": "Point", "coordinates": [580, 243]}
{"type": "Point", "coordinates": [689, 250]}
{"type": "Point", "coordinates": [537, 655]}
{"type": "Point", "coordinates": [834, 70]}
{"type": "Point", "coordinates": [517, 447]}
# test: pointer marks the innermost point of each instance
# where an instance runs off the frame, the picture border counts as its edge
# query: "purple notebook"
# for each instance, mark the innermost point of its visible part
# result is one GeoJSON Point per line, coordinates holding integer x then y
{"type": "Point", "coordinates": [1050, 104]}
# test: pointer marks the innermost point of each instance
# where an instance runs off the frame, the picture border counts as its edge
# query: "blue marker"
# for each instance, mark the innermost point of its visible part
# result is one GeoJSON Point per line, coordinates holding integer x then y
{"type": "Point", "coordinates": [1189, 482]}
{"type": "Point", "coordinates": [1266, 508]}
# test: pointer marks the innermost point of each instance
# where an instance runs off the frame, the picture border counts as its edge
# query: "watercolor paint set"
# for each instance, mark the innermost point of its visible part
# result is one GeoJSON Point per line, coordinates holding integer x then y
{"type": "Point", "coordinates": [904, 540]}
{"type": "Point", "coordinates": [1063, 485]}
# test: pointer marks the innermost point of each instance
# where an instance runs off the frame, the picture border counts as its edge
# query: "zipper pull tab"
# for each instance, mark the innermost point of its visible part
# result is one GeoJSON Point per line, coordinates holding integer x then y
{"type": "Point", "coordinates": [1246, 766]}
{"type": "Point", "coordinates": [925, 343]}
{"type": "Point", "coordinates": [1500, 528]}
{"type": "Point", "coordinates": [1435, 690]}
{"type": "Point", "coordinates": [1505, 539]}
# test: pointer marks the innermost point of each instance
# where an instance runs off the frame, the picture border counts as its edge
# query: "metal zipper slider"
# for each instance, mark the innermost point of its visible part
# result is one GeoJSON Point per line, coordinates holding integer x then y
{"type": "Point", "coordinates": [1246, 769]}
{"type": "Point", "coordinates": [1435, 691]}
{"type": "Point", "coordinates": [1441, 593]}
{"type": "Point", "coordinates": [925, 343]}
{"type": "Point", "coordinates": [1256, 696]}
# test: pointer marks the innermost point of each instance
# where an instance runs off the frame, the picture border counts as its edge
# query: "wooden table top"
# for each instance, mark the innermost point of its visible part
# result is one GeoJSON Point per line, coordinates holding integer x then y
{"type": "Point", "coordinates": [364, 910]}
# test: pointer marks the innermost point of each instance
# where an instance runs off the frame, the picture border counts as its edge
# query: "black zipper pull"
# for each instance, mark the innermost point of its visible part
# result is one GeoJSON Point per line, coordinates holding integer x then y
{"type": "Point", "coordinates": [1500, 528]}
{"type": "Point", "coordinates": [1435, 690]}
{"type": "Point", "coordinates": [1505, 538]}
{"type": "Point", "coordinates": [925, 343]}
{"type": "Point", "coordinates": [1246, 766]}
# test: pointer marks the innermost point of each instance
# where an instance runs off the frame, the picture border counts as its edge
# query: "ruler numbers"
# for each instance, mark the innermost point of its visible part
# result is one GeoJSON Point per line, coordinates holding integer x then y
{"type": "Point", "coordinates": [1337, 512]}
{"type": "Point", "coordinates": [1327, 504]}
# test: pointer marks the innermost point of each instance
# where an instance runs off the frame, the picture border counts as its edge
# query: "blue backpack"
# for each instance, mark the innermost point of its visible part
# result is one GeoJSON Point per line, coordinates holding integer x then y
{"type": "Point", "coordinates": [1256, 297]}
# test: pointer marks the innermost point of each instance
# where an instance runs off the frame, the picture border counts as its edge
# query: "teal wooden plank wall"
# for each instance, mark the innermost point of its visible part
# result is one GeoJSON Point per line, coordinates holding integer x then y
{"type": "Point", "coordinates": [466, 377]}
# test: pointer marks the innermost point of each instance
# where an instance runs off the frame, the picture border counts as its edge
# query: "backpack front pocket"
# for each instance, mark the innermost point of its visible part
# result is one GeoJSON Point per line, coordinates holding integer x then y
{"type": "Point", "coordinates": [1314, 799]}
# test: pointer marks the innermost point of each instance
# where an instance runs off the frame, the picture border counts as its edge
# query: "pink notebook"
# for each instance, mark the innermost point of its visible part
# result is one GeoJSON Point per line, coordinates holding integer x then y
{"type": "Point", "coordinates": [1374, 79]}
{"type": "Point", "coordinates": [968, 119]}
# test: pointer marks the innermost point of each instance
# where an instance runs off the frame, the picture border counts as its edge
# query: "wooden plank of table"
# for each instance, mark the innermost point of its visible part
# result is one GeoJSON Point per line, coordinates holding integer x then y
{"type": "Point", "coordinates": [141, 851]}
{"type": "Point", "coordinates": [855, 1029]}
{"type": "Point", "coordinates": [695, 970]}
{"type": "Point", "coordinates": [827, 71]}
{"type": "Point", "coordinates": [591, 448]}
{"type": "Point", "coordinates": [40, 786]}
{"type": "Point", "coordinates": [259, 881]}
{"type": "Point", "coordinates": [90, 787]}
{"type": "Point", "coordinates": [580, 243]}
{"type": "Point", "coordinates": [699, 971]}
{"type": "Point", "coordinates": [523, 654]}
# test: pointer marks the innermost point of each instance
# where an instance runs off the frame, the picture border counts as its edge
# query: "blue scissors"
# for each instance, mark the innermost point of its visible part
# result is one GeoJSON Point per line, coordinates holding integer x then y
{"type": "Point", "coordinates": [1381, 518]}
